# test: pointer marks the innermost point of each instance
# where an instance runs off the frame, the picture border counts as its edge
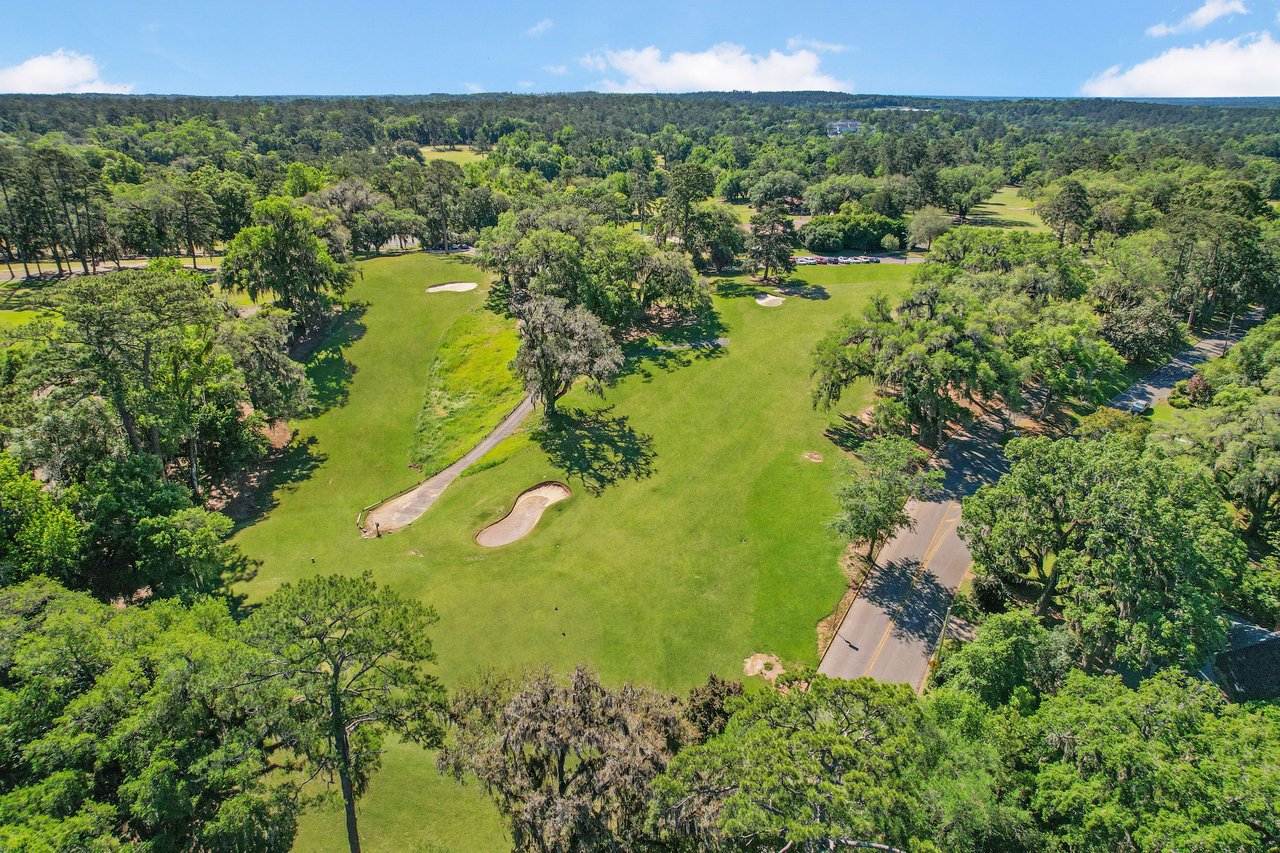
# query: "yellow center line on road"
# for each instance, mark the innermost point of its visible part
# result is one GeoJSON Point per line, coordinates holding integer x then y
{"type": "Point", "coordinates": [944, 527]}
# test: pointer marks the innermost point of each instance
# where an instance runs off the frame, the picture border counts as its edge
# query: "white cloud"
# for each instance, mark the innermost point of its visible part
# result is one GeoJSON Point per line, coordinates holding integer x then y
{"type": "Point", "coordinates": [473, 88]}
{"type": "Point", "coordinates": [796, 43]}
{"type": "Point", "coordinates": [525, 84]}
{"type": "Point", "coordinates": [1244, 66]}
{"type": "Point", "coordinates": [721, 67]}
{"type": "Point", "coordinates": [594, 62]}
{"type": "Point", "coordinates": [558, 70]}
{"type": "Point", "coordinates": [541, 27]}
{"type": "Point", "coordinates": [60, 71]}
{"type": "Point", "coordinates": [1211, 11]}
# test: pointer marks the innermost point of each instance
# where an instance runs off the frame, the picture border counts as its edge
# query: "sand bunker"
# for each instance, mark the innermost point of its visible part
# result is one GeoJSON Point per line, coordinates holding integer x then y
{"type": "Point", "coordinates": [813, 456]}
{"type": "Point", "coordinates": [453, 287]}
{"type": "Point", "coordinates": [768, 300]}
{"type": "Point", "coordinates": [523, 516]}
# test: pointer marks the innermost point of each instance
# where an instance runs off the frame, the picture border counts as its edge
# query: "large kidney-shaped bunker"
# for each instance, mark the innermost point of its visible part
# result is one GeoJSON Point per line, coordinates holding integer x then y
{"type": "Point", "coordinates": [518, 523]}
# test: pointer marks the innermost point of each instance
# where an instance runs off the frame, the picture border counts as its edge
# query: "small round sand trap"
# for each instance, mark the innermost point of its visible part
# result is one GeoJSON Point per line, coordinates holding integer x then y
{"type": "Point", "coordinates": [453, 287]}
{"type": "Point", "coordinates": [768, 300]}
{"type": "Point", "coordinates": [813, 456]}
{"type": "Point", "coordinates": [518, 523]}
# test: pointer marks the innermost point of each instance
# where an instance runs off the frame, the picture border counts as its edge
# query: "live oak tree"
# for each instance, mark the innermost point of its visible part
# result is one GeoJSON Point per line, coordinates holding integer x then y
{"type": "Point", "coordinates": [39, 533]}
{"type": "Point", "coordinates": [568, 761]}
{"type": "Point", "coordinates": [558, 346]}
{"type": "Point", "coordinates": [1239, 440]}
{"type": "Point", "coordinates": [936, 347]}
{"type": "Point", "coordinates": [351, 655]}
{"type": "Point", "coordinates": [822, 764]}
{"type": "Point", "coordinates": [961, 188]}
{"type": "Point", "coordinates": [1134, 550]}
{"type": "Point", "coordinates": [926, 225]}
{"type": "Point", "coordinates": [873, 500]}
{"type": "Point", "coordinates": [1011, 654]}
{"type": "Point", "coordinates": [135, 727]}
{"type": "Point", "coordinates": [1169, 766]}
{"type": "Point", "coordinates": [1066, 210]}
{"type": "Point", "coordinates": [1238, 437]}
{"type": "Point", "coordinates": [715, 237]}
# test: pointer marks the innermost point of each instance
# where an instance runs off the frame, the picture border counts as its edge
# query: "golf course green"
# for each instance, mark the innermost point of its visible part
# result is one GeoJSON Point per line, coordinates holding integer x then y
{"type": "Point", "coordinates": [695, 535]}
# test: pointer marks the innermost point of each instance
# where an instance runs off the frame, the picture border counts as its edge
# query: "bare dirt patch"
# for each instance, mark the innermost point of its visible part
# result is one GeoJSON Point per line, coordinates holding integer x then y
{"type": "Point", "coordinates": [239, 499]}
{"type": "Point", "coordinates": [764, 665]}
{"type": "Point", "coordinates": [813, 456]}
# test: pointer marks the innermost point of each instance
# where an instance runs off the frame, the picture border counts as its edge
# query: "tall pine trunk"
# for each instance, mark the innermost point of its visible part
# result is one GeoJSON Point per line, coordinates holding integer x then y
{"type": "Point", "coordinates": [343, 746]}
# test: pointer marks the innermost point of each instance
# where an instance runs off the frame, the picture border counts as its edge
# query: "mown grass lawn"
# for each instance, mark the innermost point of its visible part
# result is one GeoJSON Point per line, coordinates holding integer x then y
{"type": "Point", "coordinates": [1007, 209]}
{"type": "Point", "coordinates": [461, 154]}
{"type": "Point", "coordinates": [695, 535]}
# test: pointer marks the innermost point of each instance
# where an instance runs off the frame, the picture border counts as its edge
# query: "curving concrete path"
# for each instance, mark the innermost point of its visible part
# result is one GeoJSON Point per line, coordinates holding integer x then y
{"type": "Point", "coordinates": [403, 510]}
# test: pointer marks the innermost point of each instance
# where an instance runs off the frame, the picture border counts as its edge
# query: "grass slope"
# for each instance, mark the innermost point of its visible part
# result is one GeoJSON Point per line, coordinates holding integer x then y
{"type": "Point", "coordinates": [695, 536]}
{"type": "Point", "coordinates": [470, 390]}
{"type": "Point", "coordinates": [1007, 209]}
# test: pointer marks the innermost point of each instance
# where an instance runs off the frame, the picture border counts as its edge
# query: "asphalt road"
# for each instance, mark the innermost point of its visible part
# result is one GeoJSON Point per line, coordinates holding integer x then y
{"type": "Point", "coordinates": [893, 627]}
{"type": "Point", "coordinates": [1157, 385]}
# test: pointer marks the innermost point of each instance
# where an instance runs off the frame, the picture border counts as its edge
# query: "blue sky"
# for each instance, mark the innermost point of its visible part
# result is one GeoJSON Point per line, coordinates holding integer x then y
{"type": "Point", "coordinates": [990, 47]}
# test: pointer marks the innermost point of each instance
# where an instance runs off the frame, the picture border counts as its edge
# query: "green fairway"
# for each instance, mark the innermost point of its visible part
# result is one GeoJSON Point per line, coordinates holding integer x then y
{"type": "Point", "coordinates": [740, 210]}
{"type": "Point", "coordinates": [695, 535]}
{"type": "Point", "coordinates": [1007, 209]}
{"type": "Point", "coordinates": [462, 154]}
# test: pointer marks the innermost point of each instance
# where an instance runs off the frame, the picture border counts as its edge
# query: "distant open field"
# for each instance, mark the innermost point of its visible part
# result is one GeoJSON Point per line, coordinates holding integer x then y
{"type": "Point", "coordinates": [24, 300]}
{"type": "Point", "coordinates": [461, 154]}
{"type": "Point", "coordinates": [742, 211]}
{"type": "Point", "coordinates": [1007, 209]}
{"type": "Point", "coordinates": [695, 535]}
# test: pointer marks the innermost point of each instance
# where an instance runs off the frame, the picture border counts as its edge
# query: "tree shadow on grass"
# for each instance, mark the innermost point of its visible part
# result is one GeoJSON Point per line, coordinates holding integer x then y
{"type": "Point", "coordinates": [674, 346]}
{"type": "Point", "coordinates": [278, 472]}
{"type": "Point", "coordinates": [802, 289]}
{"type": "Point", "coordinates": [734, 288]}
{"type": "Point", "coordinates": [991, 219]}
{"type": "Point", "coordinates": [847, 432]}
{"type": "Point", "coordinates": [595, 448]}
{"type": "Point", "coordinates": [326, 362]}
{"type": "Point", "coordinates": [31, 294]}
